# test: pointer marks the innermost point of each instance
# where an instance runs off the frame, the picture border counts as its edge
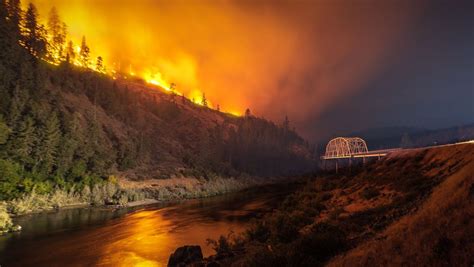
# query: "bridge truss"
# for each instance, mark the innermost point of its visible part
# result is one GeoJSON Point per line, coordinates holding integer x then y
{"type": "Point", "coordinates": [345, 147]}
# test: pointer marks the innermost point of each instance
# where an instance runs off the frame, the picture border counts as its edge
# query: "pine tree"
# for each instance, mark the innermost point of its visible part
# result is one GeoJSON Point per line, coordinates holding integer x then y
{"type": "Point", "coordinates": [4, 131]}
{"type": "Point", "coordinates": [84, 53]}
{"type": "Point", "coordinates": [17, 105]}
{"type": "Point", "coordinates": [173, 87]}
{"type": "Point", "coordinates": [99, 66]}
{"type": "Point", "coordinates": [77, 133]}
{"type": "Point", "coordinates": [47, 147]}
{"type": "Point", "coordinates": [21, 144]}
{"type": "Point", "coordinates": [100, 157]}
{"type": "Point", "coordinates": [248, 113]}
{"type": "Point", "coordinates": [204, 100]}
{"type": "Point", "coordinates": [10, 52]}
{"type": "Point", "coordinates": [70, 54]}
{"type": "Point", "coordinates": [14, 15]}
{"type": "Point", "coordinates": [34, 36]}
{"type": "Point", "coordinates": [57, 31]}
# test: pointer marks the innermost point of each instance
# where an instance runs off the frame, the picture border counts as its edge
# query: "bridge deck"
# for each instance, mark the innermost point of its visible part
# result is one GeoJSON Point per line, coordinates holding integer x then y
{"type": "Point", "coordinates": [374, 153]}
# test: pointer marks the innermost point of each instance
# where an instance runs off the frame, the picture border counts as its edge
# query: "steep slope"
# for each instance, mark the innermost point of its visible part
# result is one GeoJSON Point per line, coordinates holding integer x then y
{"type": "Point", "coordinates": [413, 207]}
{"type": "Point", "coordinates": [440, 231]}
{"type": "Point", "coordinates": [177, 137]}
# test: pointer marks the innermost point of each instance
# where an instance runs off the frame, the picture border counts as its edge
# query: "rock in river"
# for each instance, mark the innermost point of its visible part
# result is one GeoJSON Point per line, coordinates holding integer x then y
{"type": "Point", "coordinates": [186, 256]}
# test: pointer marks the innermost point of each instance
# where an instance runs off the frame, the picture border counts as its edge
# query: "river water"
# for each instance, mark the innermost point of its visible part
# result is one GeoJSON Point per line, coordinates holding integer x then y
{"type": "Point", "coordinates": [143, 236]}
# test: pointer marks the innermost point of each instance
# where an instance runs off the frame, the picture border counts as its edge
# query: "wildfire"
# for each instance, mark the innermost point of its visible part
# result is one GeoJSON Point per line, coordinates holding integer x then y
{"type": "Point", "coordinates": [61, 47]}
{"type": "Point", "coordinates": [156, 79]}
{"type": "Point", "coordinates": [235, 113]}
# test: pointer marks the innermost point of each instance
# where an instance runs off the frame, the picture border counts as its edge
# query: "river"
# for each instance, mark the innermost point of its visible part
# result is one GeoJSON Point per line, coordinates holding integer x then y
{"type": "Point", "coordinates": [143, 236]}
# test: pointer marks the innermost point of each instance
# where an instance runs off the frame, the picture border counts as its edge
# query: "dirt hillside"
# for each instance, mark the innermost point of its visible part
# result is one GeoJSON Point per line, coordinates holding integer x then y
{"type": "Point", "coordinates": [437, 232]}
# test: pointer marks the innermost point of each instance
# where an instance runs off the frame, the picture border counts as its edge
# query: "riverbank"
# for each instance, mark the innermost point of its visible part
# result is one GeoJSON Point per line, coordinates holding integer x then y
{"type": "Point", "coordinates": [128, 193]}
{"type": "Point", "coordinates": [134, 236]}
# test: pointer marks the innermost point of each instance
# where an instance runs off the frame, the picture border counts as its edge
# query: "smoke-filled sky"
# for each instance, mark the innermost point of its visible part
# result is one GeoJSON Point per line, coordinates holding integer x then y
{"type": "Point", "coordinates": [332, 66]}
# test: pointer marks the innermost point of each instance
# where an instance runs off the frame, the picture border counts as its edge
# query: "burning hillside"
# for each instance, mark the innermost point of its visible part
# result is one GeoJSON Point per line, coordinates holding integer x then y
{"type": "Point", "coordinates": [50, 41]}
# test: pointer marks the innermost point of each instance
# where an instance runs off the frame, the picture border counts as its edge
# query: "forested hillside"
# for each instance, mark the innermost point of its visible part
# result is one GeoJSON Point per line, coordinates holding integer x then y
{"type": "Point", "coordinates": [63, 124]}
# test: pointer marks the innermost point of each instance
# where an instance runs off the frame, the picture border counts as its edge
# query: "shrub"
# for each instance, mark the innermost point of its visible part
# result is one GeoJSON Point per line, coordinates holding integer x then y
{"type": "Point", "coordinates": [263, 256]}
{"type": "Point", "coordinates": [9, 179]}
{"type": "Point", "coordinates": [369, 193]}
{"type": "Point", "coordinates": [5, 220]}
{"type": "Point", "coordinates": [220, 246]}
{"type": "Point", "coordinates": [325, 241]}
{"type": "Point", "coordinates": [258, 231]}
{"type": "Point", "coordinates": [283, 227]}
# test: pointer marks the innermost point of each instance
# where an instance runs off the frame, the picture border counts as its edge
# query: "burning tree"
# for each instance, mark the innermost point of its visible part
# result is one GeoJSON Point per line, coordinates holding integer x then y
{"type": "Point", "coordinates": [100, 65]}
{"type": "Point", "coordinates": [84, 53]}
{"type": "Point", "coordinates": [57, 37]}
{"type": "Point", "coordinates": [204, 100]}
{"type": "Point", "coordinates": [70, 54]}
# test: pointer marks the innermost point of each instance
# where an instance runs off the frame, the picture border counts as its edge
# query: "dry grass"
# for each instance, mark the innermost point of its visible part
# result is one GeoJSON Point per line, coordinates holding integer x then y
{"type": "Point", "coordinates": [5, 220]}
{"type": "Point", "coordinates": [35, 202]}
{"type": "Point", "coordinates": [441, 230]}
{"type": "Point", "coordinates": [99, 194]}
{"type": "Point", "coordinates": [183, 188]}
{"type": "Point", "coordinates": [125, 191]}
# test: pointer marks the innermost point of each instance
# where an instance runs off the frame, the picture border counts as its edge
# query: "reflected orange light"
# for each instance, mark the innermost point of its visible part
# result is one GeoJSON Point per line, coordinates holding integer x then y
{"type": "Point", "coordinates": [144, 236]}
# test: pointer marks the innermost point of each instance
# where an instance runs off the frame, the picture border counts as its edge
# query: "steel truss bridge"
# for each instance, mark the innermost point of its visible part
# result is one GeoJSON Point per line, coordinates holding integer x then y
{"type": "Point", "coordinates": [351, 147]}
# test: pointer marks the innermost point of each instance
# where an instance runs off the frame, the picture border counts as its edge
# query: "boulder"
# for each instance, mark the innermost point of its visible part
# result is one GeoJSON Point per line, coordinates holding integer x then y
{"type": "Point", "coordinates": [186, 256]}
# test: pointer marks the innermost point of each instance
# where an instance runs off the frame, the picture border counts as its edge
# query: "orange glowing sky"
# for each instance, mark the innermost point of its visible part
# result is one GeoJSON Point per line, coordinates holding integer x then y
{"type": "Point", "coordinates": [275, 57]}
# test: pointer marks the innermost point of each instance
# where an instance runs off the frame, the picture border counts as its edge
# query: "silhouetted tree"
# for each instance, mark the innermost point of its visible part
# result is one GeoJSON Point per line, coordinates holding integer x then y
{"type": "Point", "coordinates": [204, 100]}
{"type": "Point", "coordinates": [14, 16]}
{"type": "Point", "coordinates": [99, 66]}
{"type": "Point", "coordinates": [84, 53]}
{"type": "Point", "coordinates": [34, 36]}
{"type": "Point", "coordinates": [172, 87]}
{"type": "Point", "coordinates": [248, 113]}
{"type": "Point", "coordinates": [70, 54]}
{"type": "Point", "coordinates": [58, 31]}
